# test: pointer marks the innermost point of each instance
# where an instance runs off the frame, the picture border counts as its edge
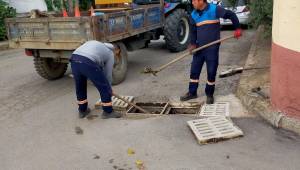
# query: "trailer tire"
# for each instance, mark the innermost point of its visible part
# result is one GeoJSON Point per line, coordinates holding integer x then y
{"type": "Point", "coordinates": [120, 66]}
{"type": "Point", "coordinates": [49, 69]}
{"type": "Point", "coordinates": [177, 30]}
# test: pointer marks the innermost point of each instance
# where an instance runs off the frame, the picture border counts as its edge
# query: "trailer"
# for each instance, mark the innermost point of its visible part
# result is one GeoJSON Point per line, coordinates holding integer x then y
{"type": "Point", "coordinates": [51, 40]}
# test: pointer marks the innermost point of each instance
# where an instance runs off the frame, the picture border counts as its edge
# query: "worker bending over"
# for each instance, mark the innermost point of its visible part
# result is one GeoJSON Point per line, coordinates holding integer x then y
{"type": "Point", "coordinates": [94, 60]}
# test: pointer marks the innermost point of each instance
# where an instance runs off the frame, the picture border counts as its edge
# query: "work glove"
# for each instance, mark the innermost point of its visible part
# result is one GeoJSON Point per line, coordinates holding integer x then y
{"type": "Point", "coordinates": [238, 33]}
{"type": "Point", "coordinates": [191, 48]}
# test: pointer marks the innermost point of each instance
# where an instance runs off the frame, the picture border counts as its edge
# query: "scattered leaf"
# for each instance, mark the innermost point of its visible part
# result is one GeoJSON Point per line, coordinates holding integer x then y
{"type": "Point", "coordinates": [140, 164]}
{"type": "Point", "coordinates": [78, 130]}
{"type": "Point", "coordinates": [96, 156]}
{"type": "Point", "coordinates": [130, 151]}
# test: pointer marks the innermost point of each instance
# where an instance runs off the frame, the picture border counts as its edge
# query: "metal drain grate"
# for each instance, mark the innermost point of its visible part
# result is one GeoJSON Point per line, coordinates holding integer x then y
{"type": "Point", "coordinates": [117, 103]}
{"type": "Point", "coordinates": [214, 129]}
{"type": "Point", "coordinates": [217, 109]}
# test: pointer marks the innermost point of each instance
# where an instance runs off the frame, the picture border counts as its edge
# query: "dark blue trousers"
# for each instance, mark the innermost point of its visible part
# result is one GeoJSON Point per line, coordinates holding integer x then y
{"type": "Point", "coordinates": [210, 56]}
{"type": "Point", "coordinates": [83, 69]}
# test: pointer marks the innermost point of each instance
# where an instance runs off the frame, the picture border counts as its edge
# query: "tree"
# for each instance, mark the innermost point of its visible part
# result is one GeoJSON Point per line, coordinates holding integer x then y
{"type": "Point", "coordinates": [232, 2]}
{"type": "Point", "coordinates": [262, 13]}
{"type": "Point", "coordinates": [5, 12]}
{"type": "Point", "coordinates": [70, 6]}
{"type": "Point", "coordinates": [56, 5]}
{"type": "Point", "coordinates": [53, 5]}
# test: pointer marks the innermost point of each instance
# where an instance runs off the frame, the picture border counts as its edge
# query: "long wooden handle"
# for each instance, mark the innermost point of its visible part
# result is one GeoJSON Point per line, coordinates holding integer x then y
{"type": "Point", "coordinates": [195, 50]}
{"type": "Point", "coordinates": [130, 103]}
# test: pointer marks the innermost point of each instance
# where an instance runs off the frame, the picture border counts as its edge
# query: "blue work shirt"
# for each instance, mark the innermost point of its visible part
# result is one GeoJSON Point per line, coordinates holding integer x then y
{"type": "Point", "coordinates": [205, 24]}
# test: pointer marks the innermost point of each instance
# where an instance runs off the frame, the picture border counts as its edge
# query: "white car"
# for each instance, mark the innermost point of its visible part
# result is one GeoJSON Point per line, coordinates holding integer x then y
{"type": "Point", "coordinates": [240, 9]}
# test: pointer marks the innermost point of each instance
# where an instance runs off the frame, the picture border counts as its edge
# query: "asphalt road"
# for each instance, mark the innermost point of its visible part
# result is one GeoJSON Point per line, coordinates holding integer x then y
{"type": "Point", "coordinates": [38, 120]}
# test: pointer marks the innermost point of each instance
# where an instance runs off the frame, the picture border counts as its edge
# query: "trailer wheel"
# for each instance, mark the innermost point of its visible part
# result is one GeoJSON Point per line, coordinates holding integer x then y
{"type": "Point", "coordinates": [177, 30]}
{"type": "Point", "coordinates": [120, 66]}
{"type": "Point", "coordinates": [49, 69]}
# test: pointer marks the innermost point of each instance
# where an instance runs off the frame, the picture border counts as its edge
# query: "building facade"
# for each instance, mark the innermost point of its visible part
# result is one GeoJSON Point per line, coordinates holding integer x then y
{"type": "Point", "coordinates": [285, 62]}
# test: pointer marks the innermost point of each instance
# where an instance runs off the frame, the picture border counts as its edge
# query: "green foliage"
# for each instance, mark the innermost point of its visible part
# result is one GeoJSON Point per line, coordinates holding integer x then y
{"type": "Point", "coordinates": [232, 2]}
{"type": "Point", "coordinates": [85, 4]}
{"type": "Point", "coordinates": [262, 14]}
{"type": "Point", "coordinates": [5, 12]}
{"type": "Point", "coordinates": [67, 4]}
{"type": "Point", "coordinates": [53, 5]}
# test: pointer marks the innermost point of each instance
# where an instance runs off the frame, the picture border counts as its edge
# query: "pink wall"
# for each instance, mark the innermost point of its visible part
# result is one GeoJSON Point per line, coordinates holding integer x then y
{"type": "Point", "coordinates": [285, 80]}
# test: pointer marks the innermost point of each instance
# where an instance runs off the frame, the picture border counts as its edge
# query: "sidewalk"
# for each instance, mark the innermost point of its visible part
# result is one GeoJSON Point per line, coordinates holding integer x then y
{"type": "Point", "coordinates": [260, 57]}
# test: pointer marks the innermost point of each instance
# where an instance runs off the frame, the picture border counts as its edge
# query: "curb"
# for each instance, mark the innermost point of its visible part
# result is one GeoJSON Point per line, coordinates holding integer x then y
{"type": "Point", "coordinates": [4, 45]}
{"type": "Point", "coordinates": [255, 103]}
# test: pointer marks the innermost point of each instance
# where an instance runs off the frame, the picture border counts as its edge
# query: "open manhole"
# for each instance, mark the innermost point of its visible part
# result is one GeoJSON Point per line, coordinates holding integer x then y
{"type": "Point", "coordinates": [183, 110]}
{"type": "Point", "coordinates": [154, 108]}
{"type": "Point", "coordinates": [159, 109]}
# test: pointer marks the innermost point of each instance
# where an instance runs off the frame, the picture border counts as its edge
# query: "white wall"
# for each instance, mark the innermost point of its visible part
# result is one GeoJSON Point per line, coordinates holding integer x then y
{"type": "Point", "coordinates": [27, 5]}
{"type": "Point", "coordinates": [286, 24]}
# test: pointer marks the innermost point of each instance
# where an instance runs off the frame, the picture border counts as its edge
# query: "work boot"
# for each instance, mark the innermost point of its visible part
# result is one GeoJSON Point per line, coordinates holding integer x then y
{"type": "Point", "coordinates": [188, 96]}
{"type": "Point", "coordinates": [113, 114]}
{"type": "Point", "coordinates": [209, 99]}
{"type": "Point", "coordinates": [83, 114]}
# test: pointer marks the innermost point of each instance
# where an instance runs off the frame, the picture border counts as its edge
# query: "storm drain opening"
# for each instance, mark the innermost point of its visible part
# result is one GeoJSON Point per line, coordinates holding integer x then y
{"type": "Point", "coordinates": [183, 110]}
{"type": "Point", "coordinates": [162, 108]}
{"type": "Point", "coordinates": [154, 108]}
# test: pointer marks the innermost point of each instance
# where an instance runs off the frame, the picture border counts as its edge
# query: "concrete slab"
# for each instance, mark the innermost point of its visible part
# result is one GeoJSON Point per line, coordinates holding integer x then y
{"type": "Point", "coordinates": [235, 106]}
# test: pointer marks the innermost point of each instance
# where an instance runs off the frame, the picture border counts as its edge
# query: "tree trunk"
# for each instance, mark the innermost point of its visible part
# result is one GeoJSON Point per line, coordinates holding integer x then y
{"type": "Point", "coordinates": [71, 7]}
